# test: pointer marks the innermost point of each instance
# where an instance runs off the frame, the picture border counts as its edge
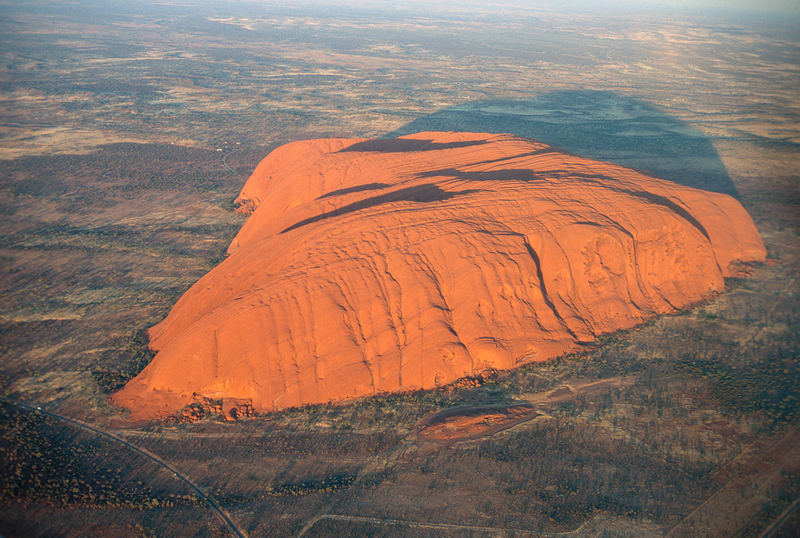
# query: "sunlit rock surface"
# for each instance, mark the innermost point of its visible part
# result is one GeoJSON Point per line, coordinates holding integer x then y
{"type": "Point", "coordinates": [371, 266]}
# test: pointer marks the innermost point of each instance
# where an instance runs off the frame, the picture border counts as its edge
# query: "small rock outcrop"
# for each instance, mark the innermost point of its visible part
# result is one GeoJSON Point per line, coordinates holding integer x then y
{"type": "Point", "coordinates": [373, 266]}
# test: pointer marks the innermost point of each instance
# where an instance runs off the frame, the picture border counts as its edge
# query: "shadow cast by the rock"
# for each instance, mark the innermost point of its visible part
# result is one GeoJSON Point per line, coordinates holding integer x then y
{"type": "Point", "coordinates": [601, 125]}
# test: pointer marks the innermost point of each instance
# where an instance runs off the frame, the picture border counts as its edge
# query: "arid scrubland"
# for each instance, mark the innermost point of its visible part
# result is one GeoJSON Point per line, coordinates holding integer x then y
{"type": "Point", "coordinates": [127, 133]}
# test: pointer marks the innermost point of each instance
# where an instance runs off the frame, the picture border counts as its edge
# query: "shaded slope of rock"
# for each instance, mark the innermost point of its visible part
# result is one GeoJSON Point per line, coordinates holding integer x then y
{"type": "Point", "coordinates": [372, 266]}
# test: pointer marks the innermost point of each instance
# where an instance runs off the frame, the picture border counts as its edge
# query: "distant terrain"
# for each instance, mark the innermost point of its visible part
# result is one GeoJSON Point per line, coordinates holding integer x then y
{"type": "Point", "coordinates": [129, 129]}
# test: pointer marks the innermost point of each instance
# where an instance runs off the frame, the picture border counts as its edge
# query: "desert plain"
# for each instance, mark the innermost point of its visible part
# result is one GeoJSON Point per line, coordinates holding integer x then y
{"type": "Point", "coordinates": [128, 132]}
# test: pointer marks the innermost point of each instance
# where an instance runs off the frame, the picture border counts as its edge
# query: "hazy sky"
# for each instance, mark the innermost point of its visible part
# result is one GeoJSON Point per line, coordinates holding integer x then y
{"type": "Point", "coordinates": [770, 5]}
{"type": "Point", "coordinates": [785, 10]}
{"type": "Point", "coordinates": [782, 5]}
{"type": "Point", "coordinates": [551, 5]}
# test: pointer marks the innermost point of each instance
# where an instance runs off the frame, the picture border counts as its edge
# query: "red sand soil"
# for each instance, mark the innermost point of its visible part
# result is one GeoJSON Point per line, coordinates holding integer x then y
{"type": "Point", "coordinates": [457, 424]}
{"type": "Point", "coordinates": [373, 266]}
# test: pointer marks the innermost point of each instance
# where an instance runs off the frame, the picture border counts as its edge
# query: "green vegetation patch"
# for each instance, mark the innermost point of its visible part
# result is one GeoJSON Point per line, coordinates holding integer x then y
{"type": "Point", "coordinates": [44, 461]}
{"type": "Point", "coordinates": [202, 181]}
{"type": "Point", "coordinates": [312, 485]}
{"type": "Point", "coordinates": [769, 385]}
{"type": "Point", "coordinates": [134, 357]}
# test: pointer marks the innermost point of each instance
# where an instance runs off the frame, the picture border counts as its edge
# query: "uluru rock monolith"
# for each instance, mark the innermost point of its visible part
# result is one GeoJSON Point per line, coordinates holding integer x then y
{"type": "Point", "coordinates": [375, 266]}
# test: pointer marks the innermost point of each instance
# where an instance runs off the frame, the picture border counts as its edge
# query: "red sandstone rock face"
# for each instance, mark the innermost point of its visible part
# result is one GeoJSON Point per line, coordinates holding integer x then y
{"type": "Point", "coordinates": [372, 266]}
